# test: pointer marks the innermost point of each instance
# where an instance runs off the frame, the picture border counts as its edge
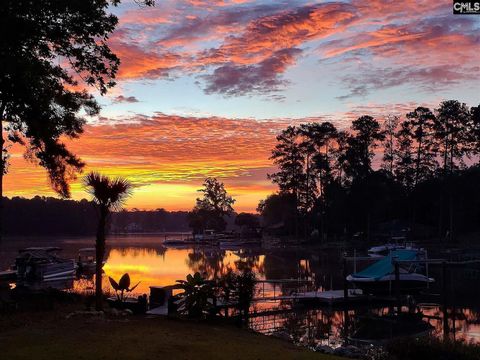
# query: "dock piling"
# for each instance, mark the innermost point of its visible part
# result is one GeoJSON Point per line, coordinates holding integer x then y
{"type": "Point", "coordinates": [397, 288]}
{"type": "Point", "coordinates": [345, 282]}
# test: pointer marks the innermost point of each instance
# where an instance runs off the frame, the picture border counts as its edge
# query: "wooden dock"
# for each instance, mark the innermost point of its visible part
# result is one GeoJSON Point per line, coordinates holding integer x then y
{"type": "Point", "coordinates": [8, 275]}
{"type": "Point", "coordinates": [159, 311]}
{"type": "Point", "coordinates": [330, 297]}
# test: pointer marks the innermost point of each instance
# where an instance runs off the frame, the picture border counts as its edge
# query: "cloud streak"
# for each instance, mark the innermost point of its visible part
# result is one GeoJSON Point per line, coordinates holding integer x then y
{"type": "Point", "coordinates": [244, 48]}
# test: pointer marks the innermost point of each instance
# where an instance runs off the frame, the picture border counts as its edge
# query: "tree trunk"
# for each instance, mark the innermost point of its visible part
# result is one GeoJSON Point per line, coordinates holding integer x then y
{"type": "Point", "coordinates": [100, 254]}
{"type": "Point", "coordinates": [2, 168]}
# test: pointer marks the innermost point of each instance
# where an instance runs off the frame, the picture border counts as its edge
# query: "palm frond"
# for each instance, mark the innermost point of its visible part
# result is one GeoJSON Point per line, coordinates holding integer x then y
{"type": "Point", "coordinates": [109, 192]}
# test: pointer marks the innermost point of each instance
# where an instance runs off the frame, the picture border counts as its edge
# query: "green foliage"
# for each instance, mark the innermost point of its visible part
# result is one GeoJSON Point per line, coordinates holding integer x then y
{"type": "Point", "coordinates": [122, 286]}
{"type": "Point", "coordinates": [199, 295]}
{"type": "Point", "coordinates": [237, 288]}
{"type": "Point", "coordinates": [197, 298]}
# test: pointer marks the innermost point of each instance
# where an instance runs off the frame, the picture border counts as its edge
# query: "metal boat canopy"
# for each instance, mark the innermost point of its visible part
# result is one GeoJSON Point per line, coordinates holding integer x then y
{"type": "Point", "coordinates": [385, 266]}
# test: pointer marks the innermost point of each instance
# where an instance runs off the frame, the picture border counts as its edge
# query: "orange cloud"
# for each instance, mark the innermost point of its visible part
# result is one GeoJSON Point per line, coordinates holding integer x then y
{"type": "Point", "coordinates": [167, 158]}
{"type": "Point", "coordinates": [238, 47]}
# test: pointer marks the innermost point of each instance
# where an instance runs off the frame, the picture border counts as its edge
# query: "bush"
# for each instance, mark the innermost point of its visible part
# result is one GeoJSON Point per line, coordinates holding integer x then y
{"type": "Point", "coordinates": [432, 348]}
{"type": "Point", "coordinates": [197, 299]}
{"type": "Point", "coordinates": [237, 288]}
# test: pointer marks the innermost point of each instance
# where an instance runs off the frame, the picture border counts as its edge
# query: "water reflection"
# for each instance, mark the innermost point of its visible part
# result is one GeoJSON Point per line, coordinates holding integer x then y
{"type": "Point", "coordinates": [147, 261]}
{"type": "Point", "coordinates": [161, 266]}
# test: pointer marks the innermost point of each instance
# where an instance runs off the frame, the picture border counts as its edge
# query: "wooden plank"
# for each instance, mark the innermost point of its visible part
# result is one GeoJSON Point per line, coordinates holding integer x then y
{"type": "Point", "coordinates": [159, 311]}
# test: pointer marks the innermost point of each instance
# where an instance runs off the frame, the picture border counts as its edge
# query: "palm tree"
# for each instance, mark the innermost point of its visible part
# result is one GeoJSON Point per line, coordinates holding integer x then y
{"type": "Point", "coordinates": [109, 195]}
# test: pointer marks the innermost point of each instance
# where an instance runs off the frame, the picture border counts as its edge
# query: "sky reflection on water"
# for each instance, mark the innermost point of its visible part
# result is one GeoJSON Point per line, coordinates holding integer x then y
{"type": "Point", "coordinates": [151, 264]}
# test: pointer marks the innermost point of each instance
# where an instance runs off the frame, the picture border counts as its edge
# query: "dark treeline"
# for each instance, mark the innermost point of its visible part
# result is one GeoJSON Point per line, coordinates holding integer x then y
{"type": "Point", "coordinates": [52, 216]}
{"type": "Point", "coordinates": [159, 220]}
{"type": "Point", "coordinates": [48, 216]}
{"type": "Point", "coordinates": [426, 181]}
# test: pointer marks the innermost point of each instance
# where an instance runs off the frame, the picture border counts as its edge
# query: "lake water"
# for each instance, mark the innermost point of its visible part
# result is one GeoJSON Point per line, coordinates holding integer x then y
{"type": "Point", "coordinates": [147, 261]}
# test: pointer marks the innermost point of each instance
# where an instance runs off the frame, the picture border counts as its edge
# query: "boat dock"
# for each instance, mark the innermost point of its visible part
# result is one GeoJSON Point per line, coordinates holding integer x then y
{"type": "Point", "coordinates": [160, 295]}
{"type": "Point", "coordinates": [159, 311]}
{"type": "Point", "coordinates": [8, 275]}
{"type": "Point", "coordinates": [329, 297]}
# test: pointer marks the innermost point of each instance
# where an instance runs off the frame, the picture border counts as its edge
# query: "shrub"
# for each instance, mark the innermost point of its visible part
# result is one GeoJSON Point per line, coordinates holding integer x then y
{"type": "Point", "coordinates": [432, 348]}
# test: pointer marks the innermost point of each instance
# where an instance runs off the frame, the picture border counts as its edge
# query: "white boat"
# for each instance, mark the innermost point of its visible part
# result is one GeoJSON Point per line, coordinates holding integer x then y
{"type": "Point", "coordinates": [208, 235]}
{"type": "Point", "coordinates": [385, 249]}
{"type": "Point", "coordinates": [43, 264]}
{"type": "Point", "coordinates": [86, 261]}
{"type": "Point", "coordinates": [380, 276]}
{"type": "Point", "coordinates": [381, 250]}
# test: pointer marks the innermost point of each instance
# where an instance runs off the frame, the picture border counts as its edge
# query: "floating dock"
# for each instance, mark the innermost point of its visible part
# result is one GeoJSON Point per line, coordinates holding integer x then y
{"type": "Point", "coordinates": [8, 275]}
{"type": "Point", "coordinates": [159, 311]}
{"type": "Point", "coordinates": [330, 297]}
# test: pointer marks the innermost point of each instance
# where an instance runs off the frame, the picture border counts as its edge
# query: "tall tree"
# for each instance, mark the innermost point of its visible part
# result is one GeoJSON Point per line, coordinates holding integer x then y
{"type": "Point", "coordinates": [340, 156]}
{"type": "Point", "coordinates": [452, 133]}
{"type": "Point", "coordinates": [210, 210]}
{"type": "Point", "coordinates": [361, 145]}
{"type": "Point", "coordinates": [49, 51]}
{"type": "Point", "coordinates": [290, 160]}
{"type": "Point", "coordinates": [389, 144]}
{"type": "Point", "coordinates": [109, 195]}
{"type": "Point", "coordinates": [475, 124]}
{"type": "Point", "coordinates": [421, 128]}
{"type": "Point", "coordinates": [404, 157]}
{"type": "Point", "coordinates": [322, 137]}
{"type": "Point", "coordinates": [308, 189]}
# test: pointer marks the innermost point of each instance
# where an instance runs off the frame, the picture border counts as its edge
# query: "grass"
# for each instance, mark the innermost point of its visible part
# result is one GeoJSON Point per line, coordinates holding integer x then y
{"type": "Point", "coordinates": [52, 336]}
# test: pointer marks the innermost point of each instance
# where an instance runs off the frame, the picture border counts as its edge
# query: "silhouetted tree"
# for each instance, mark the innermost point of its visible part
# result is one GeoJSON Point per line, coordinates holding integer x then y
{"type": "Point", "coordinates": [209, 211]}
{"type": "Point", "coordinates": [452, 132]}
{"type": "Point", "coordinates": [389, 144]}
{"type": "Point", "coordinates": [475, 123]}
{"type": "Point", "coordinates": [108, 194]}
{"type": "Point", "coordinates": [340, 156]}
{"type": "Point", "coordinates": [358, 196]}
{"type": "Point", "coordinates": [290, 159]}
{"type": "Point", "coordinates": [404, 156]}
{"type": "Point", "coordinates": [324, 138]}
{"type": "Point", "coordinates": [421, 127]}
{"type": "Point", "coordinates": [49, 51]}
{"type": "Point", "coordinates": [247, 220]}
{"type": "Point", "coordinates": [359, 154]}
{"type": "Point", "coordinates": [278, 211]}
{"type": "Point", "coordinates": [308, 189]}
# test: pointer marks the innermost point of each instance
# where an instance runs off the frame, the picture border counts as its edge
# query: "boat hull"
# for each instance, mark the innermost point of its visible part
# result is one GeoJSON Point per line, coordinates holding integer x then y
{"type": "Point", "coordinates": [411, 284]}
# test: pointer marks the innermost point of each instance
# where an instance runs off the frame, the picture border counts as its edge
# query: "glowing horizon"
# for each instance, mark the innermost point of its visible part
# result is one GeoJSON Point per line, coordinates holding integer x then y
{"type": "Point", "coordinates": [204, 87]}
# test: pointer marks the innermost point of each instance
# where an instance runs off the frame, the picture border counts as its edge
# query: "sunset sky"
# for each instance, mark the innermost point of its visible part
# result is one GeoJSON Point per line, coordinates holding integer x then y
{"type": "Point", "coordinates": [204, 86]}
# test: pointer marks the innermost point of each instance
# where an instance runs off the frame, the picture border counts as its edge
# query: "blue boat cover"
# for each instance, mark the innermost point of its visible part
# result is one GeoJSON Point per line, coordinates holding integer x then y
{"type": "Point", "coordinates": [385, 266]}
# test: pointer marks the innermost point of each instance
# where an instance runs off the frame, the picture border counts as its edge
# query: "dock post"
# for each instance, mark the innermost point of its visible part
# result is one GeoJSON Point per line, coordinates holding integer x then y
{"type": "Point", "coordinates": [345, 283]}
{"type": "Point", "coordinates": [445, 301]}
{"type": "Point", "coordinates": [426, 267]}
{"type": "Point", "coordinates": [397, 287]}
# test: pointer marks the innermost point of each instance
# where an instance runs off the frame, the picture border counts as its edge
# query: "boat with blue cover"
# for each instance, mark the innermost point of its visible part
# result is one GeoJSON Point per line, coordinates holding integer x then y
{"type": "Point", "coordinates": [379, 278]}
